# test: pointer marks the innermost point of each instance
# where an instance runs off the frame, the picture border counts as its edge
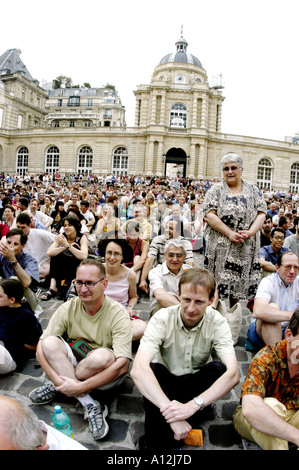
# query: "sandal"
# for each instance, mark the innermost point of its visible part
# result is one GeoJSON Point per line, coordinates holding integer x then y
{"type": "Point", "coordinates": [48, 295]}
{"type": "Point", "coordinates": [72, 293]}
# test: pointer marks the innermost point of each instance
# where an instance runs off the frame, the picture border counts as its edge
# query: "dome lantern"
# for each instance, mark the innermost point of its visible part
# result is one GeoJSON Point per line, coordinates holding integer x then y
{"type": "Point", "coordinates": [181, 55]}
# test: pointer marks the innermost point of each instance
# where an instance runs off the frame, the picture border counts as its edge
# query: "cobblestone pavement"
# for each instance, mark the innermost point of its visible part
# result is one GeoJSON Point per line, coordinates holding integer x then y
{"type": "Point", "coordinates": [126, 417]}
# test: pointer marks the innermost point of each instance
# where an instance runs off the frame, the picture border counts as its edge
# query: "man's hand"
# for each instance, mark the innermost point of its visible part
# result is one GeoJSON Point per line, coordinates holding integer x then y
{"type": "Point", "coordinates": [7, 252]}
{"type": "Point", "coordinates": [176, 411]}
{"type": "Point", "coordinates": [70, 387]}
{"type": "Point", "coordinates": [180, 429]}
{"type": "Point", "coordinates": [143, 286]}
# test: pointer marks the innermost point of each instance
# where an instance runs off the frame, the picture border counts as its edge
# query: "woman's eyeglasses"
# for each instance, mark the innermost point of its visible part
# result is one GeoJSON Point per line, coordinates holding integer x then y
{"type": "Point", "coordinates": [232, 168]}
{"type": "Point", "coordinates": [112, 253]}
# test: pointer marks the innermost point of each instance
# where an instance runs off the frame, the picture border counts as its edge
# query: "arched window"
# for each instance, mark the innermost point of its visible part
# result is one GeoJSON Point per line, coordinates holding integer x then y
{"type": "Point", "coordinates": [22, 161]}
{"type": "Point", "coordinates": [264, 173]}
{"type": "Point", "coordinates": [178, 115]}
{"type": "Point", "coordinates": [52, 159]}
{"type": "Point", "coordinates": [120, 161]}
{"type": "Point", "coordinates": [294, 182]}
{"type": "Point", "coordinates": [85, 159]}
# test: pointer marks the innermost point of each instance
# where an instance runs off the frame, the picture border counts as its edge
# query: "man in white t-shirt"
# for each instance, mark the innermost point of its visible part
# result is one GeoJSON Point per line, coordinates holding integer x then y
{"type": "Point", "coordinates": [88, 215]}
{"type": "Point", "coordinates": [176, 213]}
{"type": "Point", "coordinates": [75, 199]}
{"type": "Point", "coordinates": [38, 215]}
{"type": "Point", "coordinates": [37, 244]}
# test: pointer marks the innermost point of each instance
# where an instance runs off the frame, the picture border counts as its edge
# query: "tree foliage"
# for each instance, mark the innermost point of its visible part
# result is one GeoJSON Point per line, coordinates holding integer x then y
{"type": "Point", "coordinates": [67, 82]}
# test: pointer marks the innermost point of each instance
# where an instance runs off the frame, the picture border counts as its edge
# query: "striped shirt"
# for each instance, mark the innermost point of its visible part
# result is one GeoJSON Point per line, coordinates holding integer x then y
{"type": "Point", "coordinates": [156, 249]}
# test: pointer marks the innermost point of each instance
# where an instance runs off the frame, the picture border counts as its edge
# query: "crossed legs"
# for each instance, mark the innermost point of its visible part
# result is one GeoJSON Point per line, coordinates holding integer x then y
{"type": "Point", "coordinates": [57, 361]}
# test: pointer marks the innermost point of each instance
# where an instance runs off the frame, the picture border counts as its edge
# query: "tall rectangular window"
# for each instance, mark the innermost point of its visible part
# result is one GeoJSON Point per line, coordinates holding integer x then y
{"type": "Point", "coordinates": [20, 121]}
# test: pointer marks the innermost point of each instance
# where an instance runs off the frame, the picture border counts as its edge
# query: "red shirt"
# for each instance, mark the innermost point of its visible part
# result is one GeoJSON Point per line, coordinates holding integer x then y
{"type": "Point", "coordinates": [4, 229]}
{"type": "Point", "coordinates": [268, 376]}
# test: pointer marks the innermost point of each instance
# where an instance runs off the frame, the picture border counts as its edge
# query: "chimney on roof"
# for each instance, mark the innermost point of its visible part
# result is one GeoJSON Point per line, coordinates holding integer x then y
{"type": "Point", "coordinates": [55, 84]}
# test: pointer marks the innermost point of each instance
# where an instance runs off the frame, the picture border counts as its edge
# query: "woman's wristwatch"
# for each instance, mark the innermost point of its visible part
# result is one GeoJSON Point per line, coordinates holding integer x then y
{"type": "Point", "coordinates": [132, 307]}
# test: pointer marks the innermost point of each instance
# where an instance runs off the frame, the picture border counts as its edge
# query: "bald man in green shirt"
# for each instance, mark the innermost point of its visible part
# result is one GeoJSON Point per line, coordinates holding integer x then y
{"type": "Point", "coordinates": [106, 326]}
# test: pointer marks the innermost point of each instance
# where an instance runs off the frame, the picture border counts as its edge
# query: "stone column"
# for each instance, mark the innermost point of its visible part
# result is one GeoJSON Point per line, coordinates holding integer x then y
{"type": "Point", "coordinates": [194, 110]}
{"type": "Point", "coordinates": [153, 113]}
{"type": "Point", "coordinates": [160, 160]}
{"type": "Point", "coordinates": [162, 115]}
{"type": "Point", "coordinates": [202, 167]}
{"type": "Point", "coordinates": [204, 112]}
{"type": "Point", "coordinates": [191, 161]}
{"type": "Point", "coordinates": [138, 111]}
{"type": "Point", "coordinates": [150, 159]}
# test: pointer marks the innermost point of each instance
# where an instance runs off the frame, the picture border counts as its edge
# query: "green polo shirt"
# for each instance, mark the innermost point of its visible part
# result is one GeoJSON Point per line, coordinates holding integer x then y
{"type": "Point", "coordinates": [109, 328]}
{"type": "Point", "coordinates": [185, 351]}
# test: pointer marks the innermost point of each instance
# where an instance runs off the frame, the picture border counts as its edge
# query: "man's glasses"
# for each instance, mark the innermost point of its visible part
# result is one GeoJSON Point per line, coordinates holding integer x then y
{"type": "Point", "coordinates": [281, 239]}
{"type": "Point", "coordinates": [87, 284]}
{"type": "Point", "coordinates": [173, 255]}
{"type": "Point", "coordinates": [288, 267]}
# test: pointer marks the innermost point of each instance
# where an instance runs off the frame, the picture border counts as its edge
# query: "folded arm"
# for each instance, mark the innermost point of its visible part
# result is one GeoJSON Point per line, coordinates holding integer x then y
{"type": "Point", "coordinates": [149, 386]}
{"type": "Point", "coordinates": [262, 418]}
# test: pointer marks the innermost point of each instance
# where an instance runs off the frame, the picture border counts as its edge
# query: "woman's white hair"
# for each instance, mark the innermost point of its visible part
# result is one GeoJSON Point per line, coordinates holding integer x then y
{"type": "Point", "coordinates": [231, 157]}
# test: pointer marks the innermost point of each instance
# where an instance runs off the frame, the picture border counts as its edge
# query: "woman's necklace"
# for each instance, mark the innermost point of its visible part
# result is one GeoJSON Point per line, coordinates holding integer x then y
{"type": "Point", "coordinates": [236, 189]}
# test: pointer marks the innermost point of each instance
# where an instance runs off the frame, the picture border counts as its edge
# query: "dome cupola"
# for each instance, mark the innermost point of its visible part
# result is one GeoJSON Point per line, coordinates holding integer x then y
{"type": "Point", "coordinates": [181, 55]}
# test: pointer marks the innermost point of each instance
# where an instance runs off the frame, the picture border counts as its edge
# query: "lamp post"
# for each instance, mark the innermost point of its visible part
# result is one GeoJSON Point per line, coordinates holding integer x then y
{"type": "Point", "coordinates": [164, 163]}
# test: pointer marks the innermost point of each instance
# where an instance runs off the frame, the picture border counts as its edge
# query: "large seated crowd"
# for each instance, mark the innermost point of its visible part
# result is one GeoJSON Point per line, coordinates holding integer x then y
{"type": "Point", "coordinates": [99, 243]}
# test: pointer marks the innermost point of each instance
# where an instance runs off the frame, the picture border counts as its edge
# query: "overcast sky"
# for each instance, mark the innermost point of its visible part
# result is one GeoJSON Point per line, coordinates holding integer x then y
{"type": "Point", "coordinates": [254, 44]}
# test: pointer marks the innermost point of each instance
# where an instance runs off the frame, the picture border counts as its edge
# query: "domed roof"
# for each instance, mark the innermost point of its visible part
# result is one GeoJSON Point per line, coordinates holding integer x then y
{"type": "Point", "coordinates": [181, 55]}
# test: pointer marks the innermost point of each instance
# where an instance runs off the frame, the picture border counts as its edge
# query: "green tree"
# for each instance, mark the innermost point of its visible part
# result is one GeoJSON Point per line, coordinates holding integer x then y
{"type": "Point", "coordinates": [108, 85]}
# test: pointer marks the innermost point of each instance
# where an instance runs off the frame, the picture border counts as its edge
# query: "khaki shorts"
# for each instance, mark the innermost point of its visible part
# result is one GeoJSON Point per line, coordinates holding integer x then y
{"type": "Point", "coordinates": [74, 361]}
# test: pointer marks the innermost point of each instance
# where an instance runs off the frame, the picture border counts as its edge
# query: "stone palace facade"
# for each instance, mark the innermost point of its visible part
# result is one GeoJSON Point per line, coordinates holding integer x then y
{"type": "Point", "coordinates": [177, 127]}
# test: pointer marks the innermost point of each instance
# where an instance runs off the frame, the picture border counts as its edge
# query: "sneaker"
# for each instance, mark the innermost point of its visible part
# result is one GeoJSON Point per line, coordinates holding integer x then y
{"type": "Point", "coordinates": [44, 394]}
{"type": "Point", "coordinates": [98, 426]}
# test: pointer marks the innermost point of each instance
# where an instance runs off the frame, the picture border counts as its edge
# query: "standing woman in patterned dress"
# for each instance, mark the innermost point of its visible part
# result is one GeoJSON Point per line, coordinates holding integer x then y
{"type": "Point", "coordinates": [234, 211]}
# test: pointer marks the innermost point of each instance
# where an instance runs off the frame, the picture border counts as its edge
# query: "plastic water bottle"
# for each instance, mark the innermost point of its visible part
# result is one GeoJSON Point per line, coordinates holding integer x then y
{"type": "Point", "coordinates": [62, 422]}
